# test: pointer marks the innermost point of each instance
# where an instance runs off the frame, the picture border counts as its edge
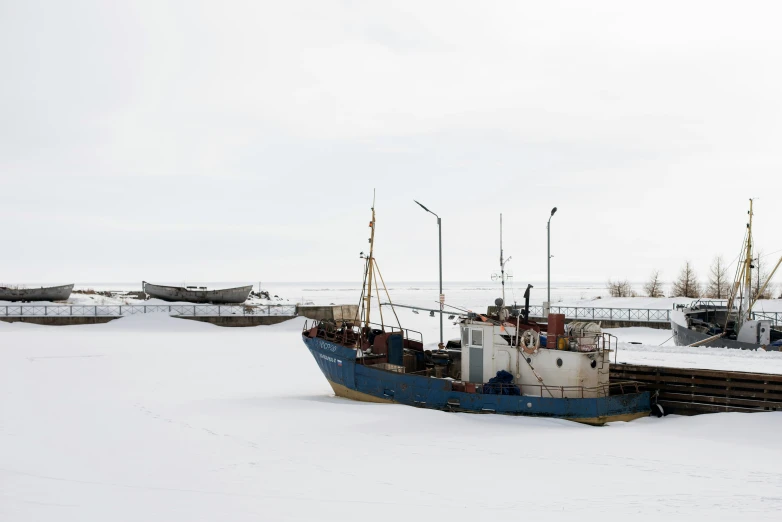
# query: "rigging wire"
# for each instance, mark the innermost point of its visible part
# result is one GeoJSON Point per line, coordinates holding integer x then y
{"type": "Point", "coordinates": [377, 267]}
{"type": "Point", "coordinates": [741, 252]}
{"type": "Point", "coordinates": [770, 253]}
{"type": "Point", "coordinates": [360, 310]}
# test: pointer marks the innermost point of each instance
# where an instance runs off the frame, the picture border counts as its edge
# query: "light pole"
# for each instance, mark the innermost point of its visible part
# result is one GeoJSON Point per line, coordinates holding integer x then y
{"type": "Point", "coordinates": [548, 233]}
{"type": "Point", "coordinates": [440, 241]}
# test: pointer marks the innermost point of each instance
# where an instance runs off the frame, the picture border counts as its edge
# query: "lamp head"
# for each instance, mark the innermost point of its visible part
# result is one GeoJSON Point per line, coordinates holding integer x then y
{"type": "Point", "coordinates": [553, 211]}
{"type": "Point", "coordinates": [423, 207]}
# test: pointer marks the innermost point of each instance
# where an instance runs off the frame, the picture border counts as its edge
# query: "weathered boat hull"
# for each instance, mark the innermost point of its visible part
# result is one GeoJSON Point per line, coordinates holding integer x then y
{"type": "Point", "coordinates": [177, 293]}
{"type": "Point", "coordinates": [683, 336]}
{"type": "Point", "coordinates": [364, 383]}
{"type": "Point", "coordinates": [51, 293]}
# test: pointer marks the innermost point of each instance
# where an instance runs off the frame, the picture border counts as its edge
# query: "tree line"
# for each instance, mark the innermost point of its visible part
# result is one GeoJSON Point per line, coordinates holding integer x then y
{"type": "Point", "coordinates": [687, 284]}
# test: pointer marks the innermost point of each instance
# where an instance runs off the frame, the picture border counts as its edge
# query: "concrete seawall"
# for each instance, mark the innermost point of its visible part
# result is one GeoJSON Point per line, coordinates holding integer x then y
{"type": "Point", "coordinates": [239, 320]}
{"type": "Point", "coordinates": [336, 313]}
{"type": "Point", "coordinates": [58, 321]}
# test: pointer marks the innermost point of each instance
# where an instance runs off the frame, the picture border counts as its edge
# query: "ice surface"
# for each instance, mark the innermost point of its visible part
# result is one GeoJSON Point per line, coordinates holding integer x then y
{"type": "Point", "coordinates": [157, 418]}
{"type": "Point", "coordinates": [473, 295]}
{"type": "Point", "coordinates": [657, 349]}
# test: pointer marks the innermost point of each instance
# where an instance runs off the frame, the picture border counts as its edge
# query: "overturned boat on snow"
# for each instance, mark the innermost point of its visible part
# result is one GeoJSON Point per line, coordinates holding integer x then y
{"type": "Point", "coordinates": [197, 294]}
{"type": "Point", "coordinates": [44, 293]}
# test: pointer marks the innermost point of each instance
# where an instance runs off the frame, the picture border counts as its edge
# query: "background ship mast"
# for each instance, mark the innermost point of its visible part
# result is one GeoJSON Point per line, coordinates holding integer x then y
{"type": "Point", "coordinates": [503, 262]}
{"type": "Point", "coordinates": [748, 266]}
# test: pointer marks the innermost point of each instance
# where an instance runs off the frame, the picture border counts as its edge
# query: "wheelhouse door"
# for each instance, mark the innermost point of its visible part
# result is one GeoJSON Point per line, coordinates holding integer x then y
{"type": "Point", "coordinates": [476, 355]}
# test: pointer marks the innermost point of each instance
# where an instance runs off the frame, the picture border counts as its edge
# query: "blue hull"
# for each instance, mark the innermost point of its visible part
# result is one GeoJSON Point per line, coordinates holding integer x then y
{"type": "Point", "coordinates": [365, 383]}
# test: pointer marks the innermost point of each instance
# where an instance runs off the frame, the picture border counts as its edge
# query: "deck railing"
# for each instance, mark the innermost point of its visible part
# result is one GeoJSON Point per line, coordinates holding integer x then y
{"type": "Point", "coordinates": [31, 310]}
{"type": "Point", "coordinates": [347, 333]}
{"type": "Point", "coordinates": [561, 392]}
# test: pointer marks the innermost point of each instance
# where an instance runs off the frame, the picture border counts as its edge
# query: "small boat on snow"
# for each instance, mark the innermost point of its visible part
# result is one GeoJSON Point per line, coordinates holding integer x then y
{"type": "Point", "coordinates": [197, 294]}
{"type": "Point", "coordinates": [44, 293]}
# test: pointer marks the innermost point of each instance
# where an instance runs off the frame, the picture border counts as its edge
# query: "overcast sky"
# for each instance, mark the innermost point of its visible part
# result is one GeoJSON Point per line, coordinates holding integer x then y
{"type": "Point", "coordinates": [231, 141]}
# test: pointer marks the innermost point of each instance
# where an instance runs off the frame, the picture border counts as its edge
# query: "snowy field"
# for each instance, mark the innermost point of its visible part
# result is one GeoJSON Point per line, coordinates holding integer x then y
{"type": "Point", "coordinates": [474, 295]}
{"type": "Point", "coordinates": [650, 352]}
{"type": "Point", "coordinates": [156, 418]}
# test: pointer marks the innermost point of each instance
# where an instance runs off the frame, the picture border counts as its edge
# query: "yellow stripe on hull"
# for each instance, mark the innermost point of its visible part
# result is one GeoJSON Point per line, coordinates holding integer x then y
{"type": "Point", "coordinates": [344, 391]}
{"type": "Point", "coordinates": [625, 417]}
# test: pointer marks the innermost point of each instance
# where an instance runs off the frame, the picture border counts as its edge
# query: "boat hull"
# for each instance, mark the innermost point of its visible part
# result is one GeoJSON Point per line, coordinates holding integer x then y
{"type": "Point", "coordinates": [52, 293]}
{"type": "Point", "coordinates": [365, 383]}
{"type": "Point", "coordinates": [683, 336]}
{"type": "Point", "coordinates": [236, 295]}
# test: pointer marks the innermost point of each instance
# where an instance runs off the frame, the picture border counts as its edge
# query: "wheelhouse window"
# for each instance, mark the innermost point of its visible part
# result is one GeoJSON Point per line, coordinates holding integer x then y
{"type": "Point", "coordinates": [465, 336]}
{"type": "Point", "coordinates": [477, 337]}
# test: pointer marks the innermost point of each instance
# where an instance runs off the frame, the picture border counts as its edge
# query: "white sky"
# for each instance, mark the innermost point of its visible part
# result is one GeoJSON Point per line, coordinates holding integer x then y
{"type": "Point", "coordinates": [229, 141]}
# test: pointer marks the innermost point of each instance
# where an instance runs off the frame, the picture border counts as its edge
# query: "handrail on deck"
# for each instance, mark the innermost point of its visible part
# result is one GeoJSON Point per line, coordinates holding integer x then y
{"type": "Point", "coordinates": [603, 390]}
{"type": "Point", "coordinates": [348, 333]}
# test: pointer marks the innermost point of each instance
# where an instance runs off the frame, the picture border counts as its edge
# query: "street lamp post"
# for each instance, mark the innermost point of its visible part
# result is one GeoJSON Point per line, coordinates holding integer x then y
{"type": "Point", "coordinates": [548, 233]}
{"type": "Point", "coordinates": [440, 241]}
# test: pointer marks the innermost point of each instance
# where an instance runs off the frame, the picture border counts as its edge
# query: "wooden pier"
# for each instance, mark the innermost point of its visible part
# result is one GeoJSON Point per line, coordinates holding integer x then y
{"type": "Point", "coordinates": [690, 391]}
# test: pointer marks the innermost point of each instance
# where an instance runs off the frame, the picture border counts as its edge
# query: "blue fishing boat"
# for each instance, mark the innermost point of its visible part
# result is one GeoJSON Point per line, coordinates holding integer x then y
{"type": "Point", "coordinates": [503, 363]}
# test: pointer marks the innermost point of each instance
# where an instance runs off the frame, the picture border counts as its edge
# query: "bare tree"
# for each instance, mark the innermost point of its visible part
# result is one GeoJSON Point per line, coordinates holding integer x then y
{"type": "Point", "coordinates": [687, 285]}
{"type": "Point", "coordinates": [620, 289]}
{"type": "Point", "coordinates": [654, 287]}
{"type": "Point", "coordinates": [759, 277]}
{"type": "Point", "coordinates": [717, 286]}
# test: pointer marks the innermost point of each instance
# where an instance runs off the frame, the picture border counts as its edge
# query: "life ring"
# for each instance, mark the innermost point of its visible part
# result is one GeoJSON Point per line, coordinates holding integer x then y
{"type": "Point", "coordinates": [530, 341]}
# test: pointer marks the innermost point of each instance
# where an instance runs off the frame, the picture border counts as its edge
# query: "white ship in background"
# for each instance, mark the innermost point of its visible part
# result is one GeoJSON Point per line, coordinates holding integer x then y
{"type": "Point", "coordinates": [732, 324]}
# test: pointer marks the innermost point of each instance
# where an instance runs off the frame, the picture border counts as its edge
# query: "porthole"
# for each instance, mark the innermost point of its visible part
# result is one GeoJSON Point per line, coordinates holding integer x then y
{"type": "Point", "coordinates": [529, 360]}
{"type": "Point", "coordinates": [559, 362]}
{"type": "Point", "coordinates": [594, 364]}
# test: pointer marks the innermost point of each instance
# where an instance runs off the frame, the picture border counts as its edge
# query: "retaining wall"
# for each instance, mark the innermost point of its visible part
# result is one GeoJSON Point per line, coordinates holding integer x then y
{"type": "Point", "coordinates": [238, 320]}
{"type": "Point", "coordinates": [59, 321]}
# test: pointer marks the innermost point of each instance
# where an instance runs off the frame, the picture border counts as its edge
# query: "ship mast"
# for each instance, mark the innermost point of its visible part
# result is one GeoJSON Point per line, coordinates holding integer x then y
{"type": "Point", "coordinates": [370, 265]}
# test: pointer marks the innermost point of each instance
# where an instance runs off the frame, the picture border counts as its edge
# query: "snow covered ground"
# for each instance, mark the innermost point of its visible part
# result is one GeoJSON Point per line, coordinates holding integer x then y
{"type": "Point", "coordinates": [475, 295]}
{"type": "Point", "coordinates": [657, 349]}
{"type": "Point", "coordinates": [156, 418]}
